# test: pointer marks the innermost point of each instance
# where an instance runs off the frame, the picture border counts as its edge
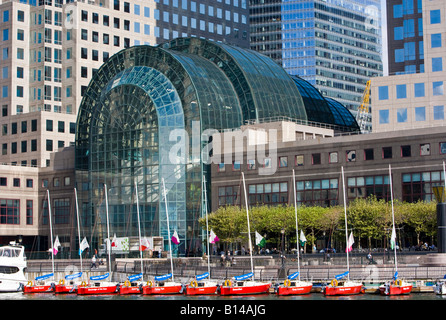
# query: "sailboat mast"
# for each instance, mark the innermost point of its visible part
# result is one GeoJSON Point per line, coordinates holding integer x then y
{"type": "Point", "coordinates": [139, 230]}
{"type": "Point", "coordinates": [297, 233]}
{"type": "Point", "coordinates": [393, 215]}
{"type": "Point", "coordinates": [345, 218]}
{"type": "Point", "coordinates": [78, 226]}
{"type": "Point", "coordinates": [108, 230]}
{"type": "Point", "coordinates": [168, 228]}
{"type": "Point", "coordinates": [249, 228]}
{"type": "Point", "coordinates": [207, 223]}
{"type": "Point", "coordinates": [51, 230]}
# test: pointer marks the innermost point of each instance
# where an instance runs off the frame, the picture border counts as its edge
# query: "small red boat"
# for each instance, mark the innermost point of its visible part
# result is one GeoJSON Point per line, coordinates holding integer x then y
{"type": "Point", "coordinates": [131, 286]}
{"type": "Point", "coordinates": [40, 285]}
{"type": "Point", "coordinates": [336, 288]}
{"type": "Point", "coordinates": [397, 287]}
{"type": "Point", "coordinates": [240, 285]}
{"type": "Point", "coordinates": [292, 286]}
{"type": "Point", "coordinates": [201, 286]}
{"type": "Point", "coordinates": [160, 286]}
{"type": "Point", "coordinates": [68, 285]}
{"type": "Point", "coordinates": [95, 286]}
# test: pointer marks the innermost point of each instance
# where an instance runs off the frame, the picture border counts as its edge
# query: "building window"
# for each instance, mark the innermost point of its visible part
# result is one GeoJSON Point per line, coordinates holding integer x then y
{"type": "Point", "coordinates": [437, 87]}
{"type": "Point", "coordinates": [384, 116]}
{"type": "Point", "coordinates": [268, 193]}
{"type": "Point", "coordinates": [251, 164]}
{"type": "Point", "coordinates": [420, 114]}
{"type": "Point", "coordinates": [317, 192]}
{"type": "Point", "coordinates": [405, 151]}
{"type": "Point", "coordinates": [9, 211]}
{"type": "Point", "coordinates": [363, 187]}
{"type": "Point", "coordinates": [442, 148]}
{"type": "Point", "coordinates": [333, 157]}
{"type": "Point", "coordinates": [425, 149]}
{"type": "Point", "coordinates": [236, 165]}
{"type": "Point", "coordinates": [401, 91]}
{"type": "Point", "coordinates": [387, 153]}
{"type": "Point", "coordinates": [438, 112]}
{"type": "Point", "coordinates": [62, 211]}
{"type": "Point", "coordinates": [29, 212]}
{"type": "Point", "coordinates": [383, 93]}
{"type": "Point", "coordinates": [435, 16]}
{"type": "Point", "coordinates": [299, 160]}
{"type": "Point", "coordinates": [283, 162]}
{"type": "Point", "coordinates": [228, 195]}
{"type": "Point", "coordinates": [401, 115]}
{"type": "Point", "coordinates": [316, 158]}
{"type": "Point", "coordinates": [419, 90]}
{"type": "Point", "coordinates": [368, 154]}
{"type": "Point", "coordinates": [437, 64]}
{"type": "Point", "coordinates": [351, 155]}
{"type": "Point", "coordinates": [418, 186]}
{"type": "Point", "coordinates": [436, 40]}
{"type": "Point", "coordinates": [16, 182]}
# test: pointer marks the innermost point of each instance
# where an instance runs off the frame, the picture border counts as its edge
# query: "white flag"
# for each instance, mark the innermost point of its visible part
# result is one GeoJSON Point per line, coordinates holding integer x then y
{"type": "Point", "coordinates": [393, 238]}
{"type": "Point", "coordinates": [84, 245]}
{"type": "Point", "coordinates": [145, 244]}
{"type": "Point", "coordinates": [56, 245]}
{"type": "Point", "coordinates": [213, 237]}
{"type": "Point", "coordinates": [302, 238]}
{"type": "Point", "coordinates": [260, 241]}
{"type": "Point", "coordinates": [350, 243]}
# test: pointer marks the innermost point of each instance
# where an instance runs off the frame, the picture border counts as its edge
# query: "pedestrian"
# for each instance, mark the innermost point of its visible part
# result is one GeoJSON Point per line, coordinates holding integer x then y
{"type": "Point", "coordinates": [93, 262]}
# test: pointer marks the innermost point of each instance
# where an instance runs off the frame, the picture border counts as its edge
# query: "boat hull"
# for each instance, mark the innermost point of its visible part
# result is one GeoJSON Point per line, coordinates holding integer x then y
{"type": "Point", "coordinates": [166, 289]}
{"type": "Point", "coordinates": [246, 289]}
{"type": "Point", "coordinates": [129, 290]}
{"type": "Point", "coordinates": [343, 290]}
{"type": "Point", "coordinates": [46, 288]}
{"type": "Point", "coordinates": [291, 290]}
{"type": "Point", "coordinates": [62, 288]}
{"type": "Point", "coordinates": [201, 290]}
{"type": "Point", "coordinates": [396, 290]}
{"type": "Point", "coordinates": [107, 289]}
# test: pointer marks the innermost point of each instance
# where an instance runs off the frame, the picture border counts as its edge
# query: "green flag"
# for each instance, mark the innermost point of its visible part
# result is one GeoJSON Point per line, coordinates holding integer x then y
{"type": "Point", "coordinates": [302, 238]}
{"type": "Point", "coordinates": [260, 241]}
{"type": "Point", "coordinates": [393, 239]}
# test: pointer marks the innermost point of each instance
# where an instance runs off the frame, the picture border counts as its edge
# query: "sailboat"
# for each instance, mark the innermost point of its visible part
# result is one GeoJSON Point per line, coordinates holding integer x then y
{"type": "Point", "coordinates": [131, 286]}
{"type": "Point", "coordinates": [339, 285]}
{"type": "Point", "coordinates": [69, 284]}
{"type": "Point", "coordinates": [202, 284]}
{"type": "Point", "coordinates": [245, 284]}
{"type": "Point", "coordinates": [164, 284]}
{"type": "Point", "coordinates": [293, 284]}
{"type": "Point", "coordinates": [395, 286]}
{"type": "Point", "coordinates": [40, 285]}
{"type": "Point", "coordinates": [95, 284]}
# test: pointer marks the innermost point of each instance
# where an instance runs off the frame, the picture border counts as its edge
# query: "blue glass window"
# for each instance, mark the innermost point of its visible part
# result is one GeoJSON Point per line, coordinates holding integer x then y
{"type": "Point", "coordinates": [399, 55]}
{"type": "Point", "coordinates": [383, 93]}
{"type": "Point", "coordinates": [437, 64]}
{"type": "Point", "coordinates": [438, 112]}
{"type": "Point", "coordinates": [420, 114]}
{"type": "Point", "coordinates": [398, 11]}
{"type": "Point", "coordinates": [419, 90]}
{"type": "Point", "coordinates": [401, 91]}
{"type": "Point", "coordinates": [409, 28]}
{"type": "Point", "coordinates": [136, 9]}
{"type": "Point", "coordinates": [401, 115]}
{"type": "Point", "coordinates": [409, 51]}
{"type": "Point", "coordinates": [384, 116]}
{"type": "Point", "coordinates": [398, 33]}
{"type": "Point", "coordinates": [408, 6]}
{"type": "Point", "coordinates": [146, 12]}
{"type": "Point", "coordinates": [435, 16]}
{"type": "Point", "coordinates": [436, 40]}
{"type": "Point", "coordinates": [437, 87]}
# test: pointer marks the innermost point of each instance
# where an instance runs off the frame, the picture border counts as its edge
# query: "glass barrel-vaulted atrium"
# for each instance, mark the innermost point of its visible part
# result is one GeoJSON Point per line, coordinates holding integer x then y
{"type": "Point", "coordinates": [141, 120]}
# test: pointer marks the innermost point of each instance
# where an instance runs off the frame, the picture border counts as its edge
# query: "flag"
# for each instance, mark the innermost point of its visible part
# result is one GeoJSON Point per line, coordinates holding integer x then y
{"type": "Point", "coordinates": [260, 241]}
{"type": "Point", "coordinates": [213, 237]}
{"type": "Point", "coordinates": [56, 244]}
{"type": "Point", "coordinates": [393, 238]}
{"type": "Point", "coordinates": [145, 244]}
{"type": "Point", "coordinates": [175, 238]}
{"type": "Point", "coordinates": [84, 245]}
{"type": "Point", "coordinates": [114, 244]}
{"type": "Point", "coordinates": [350, 243]}
{"type": "Point", "coordinates": [302, 238]}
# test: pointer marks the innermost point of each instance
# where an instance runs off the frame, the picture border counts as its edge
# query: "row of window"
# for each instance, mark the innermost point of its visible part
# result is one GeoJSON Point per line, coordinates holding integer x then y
{"type": "Point", "coordinates": [24, 125]}
{"type": "Point", "coordinates": [29, 183]}
{"type": "Point", "coordinates": [419, 114]}
{"type": "Point", "coordinates": [325, 192]}
{"type": "Point", "coordinates": [418, 88]}
{"type": "Point", "coordinates": [33, 147]}
{"type": "Point", "coordinates": [333, 157]}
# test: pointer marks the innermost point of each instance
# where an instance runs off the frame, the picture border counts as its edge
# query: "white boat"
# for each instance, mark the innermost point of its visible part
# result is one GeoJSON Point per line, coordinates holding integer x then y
{"type": "Point", "coordinates": [440, 286]}
{"type": "Point", "coordinates": [12, 266]}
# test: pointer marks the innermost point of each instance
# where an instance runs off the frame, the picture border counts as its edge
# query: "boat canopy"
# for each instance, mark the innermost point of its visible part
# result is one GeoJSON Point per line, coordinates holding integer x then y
{"type": "Point", "coordinates": [101, 277]}
{"type": "Point", "coordinates": [45, 276]}
{"type": "Point", "coordinates": [202, 276]}
{"type": "Point", "coordinates": [164, 277]}
{"type": "Point", "coordinates": [244, 276]}
{"type": "Point", "coordinates": [342, 275]}
{"type": "Point", "coordinates": [395, 276]}
{"type": "Point", "coordinates": [293, 276]}
{"type": "Point", "coordinates": [73, 276]}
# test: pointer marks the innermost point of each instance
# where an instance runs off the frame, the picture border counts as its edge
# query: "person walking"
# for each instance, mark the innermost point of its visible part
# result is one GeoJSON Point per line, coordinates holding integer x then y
{"type": "Point", "coordinates": [93, 262]}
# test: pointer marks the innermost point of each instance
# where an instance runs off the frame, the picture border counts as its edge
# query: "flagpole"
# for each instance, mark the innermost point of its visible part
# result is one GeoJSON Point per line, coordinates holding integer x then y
{"type": "Point", "coordinates": [393, 216]}
{"type": "Point", "coordinates": [78, 226]}
{"type": "Point", "coordinates": [108, 230]}
{"type": "Point", "coordinates": [345, 217]}
{"type": "Point", "coordinates": [51, 230]}
{"type": "Point", "coordinates": [249, 228]}
{"type": "Point", "coordinates": [207, 223]}
{"type": "Point", "coordinates": [139, 231]}
{"type": "Point", "coordinates": [168, 228]}
{"type": "Point", "coordinates": [295, 214]}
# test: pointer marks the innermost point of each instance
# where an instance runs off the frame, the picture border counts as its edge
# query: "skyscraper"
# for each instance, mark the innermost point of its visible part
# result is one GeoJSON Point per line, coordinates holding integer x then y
{"type": "Point", "coordinates": [335, 45]}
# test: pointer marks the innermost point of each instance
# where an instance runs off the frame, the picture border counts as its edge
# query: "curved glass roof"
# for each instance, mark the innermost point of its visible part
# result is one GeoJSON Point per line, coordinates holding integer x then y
{"type": "Point", "coordinates": [263, 87]}
{"type": "Point", "coordinates": [324, 110]}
